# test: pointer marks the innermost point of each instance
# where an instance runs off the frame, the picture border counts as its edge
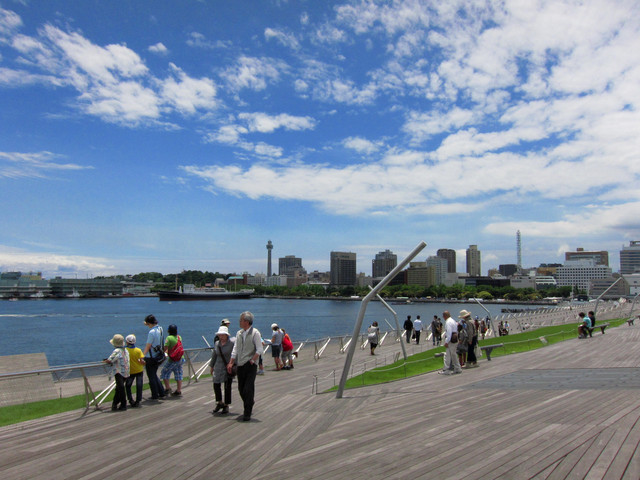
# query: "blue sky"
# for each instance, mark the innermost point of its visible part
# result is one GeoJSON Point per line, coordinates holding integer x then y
{"type": "Point", "coordinates": [147, 136]}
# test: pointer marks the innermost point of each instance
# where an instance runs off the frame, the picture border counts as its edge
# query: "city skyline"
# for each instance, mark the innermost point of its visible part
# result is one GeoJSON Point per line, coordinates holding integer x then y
{"type": "Point", "coordinates": [151, 137]}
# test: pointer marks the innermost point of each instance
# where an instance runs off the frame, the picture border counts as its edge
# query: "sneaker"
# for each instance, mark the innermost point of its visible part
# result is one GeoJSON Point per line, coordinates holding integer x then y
{"type": "Point", "coordinates": [176, 394]}
{"type": "Point", "coordinates": [444, 372]}
{"type": "Point", "coordinates": [167, 391]}
{"type": "Point", "coordinates": [260, 372]}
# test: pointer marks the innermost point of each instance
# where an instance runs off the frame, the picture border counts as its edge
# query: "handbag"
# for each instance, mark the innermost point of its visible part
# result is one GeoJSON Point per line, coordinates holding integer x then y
{"type": "Point", "coordinates": [157, 354]}
{"type": "Point", "coordinates": [234, 368]}
{"type": "Point", "coordinates": [454, 337]}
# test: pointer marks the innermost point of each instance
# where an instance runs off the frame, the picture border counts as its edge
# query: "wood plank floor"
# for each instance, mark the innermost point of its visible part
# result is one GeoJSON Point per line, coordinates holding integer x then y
{"type": "Point", "coordinates": [569, 410]}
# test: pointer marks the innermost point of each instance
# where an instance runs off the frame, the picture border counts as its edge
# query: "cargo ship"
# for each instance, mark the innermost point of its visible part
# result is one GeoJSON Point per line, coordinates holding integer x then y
{"type": "Point", "coordinates": [190, 292]}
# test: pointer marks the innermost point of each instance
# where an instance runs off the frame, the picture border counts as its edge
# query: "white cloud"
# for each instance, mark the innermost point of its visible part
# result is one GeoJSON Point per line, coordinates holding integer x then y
{"type": "Point", "coordinates": [198, 40]}
{"type": "Point", "coordinates": [158, 48]}
{"type": "Point", "coordinates": [51, 264]}
{"type": "Point", "coordinates": [287, 39]}
{"type": "Point", "coordinates": [33, 165]}
{"type": "Point", "coordinates": [361, 145]}
{"type": "Point", "coordinates": [264, 123]}
{"type": "Point", "coordinates": [253, 73]}
{"type": "Point", "coordinates": [188, 94]}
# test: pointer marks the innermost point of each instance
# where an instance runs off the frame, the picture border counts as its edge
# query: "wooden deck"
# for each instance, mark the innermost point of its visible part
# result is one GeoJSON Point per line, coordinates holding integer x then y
{"type": "Point", "coordinates": [570, 410]}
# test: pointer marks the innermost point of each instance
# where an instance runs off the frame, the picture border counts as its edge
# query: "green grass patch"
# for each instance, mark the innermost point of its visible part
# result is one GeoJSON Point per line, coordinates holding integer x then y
{"type": "Point", "coordinates": [425, 362]}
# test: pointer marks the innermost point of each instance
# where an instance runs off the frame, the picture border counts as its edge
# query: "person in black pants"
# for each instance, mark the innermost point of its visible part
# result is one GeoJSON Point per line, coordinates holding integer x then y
{"type": "Point", "coordinates": [245, 354]}
{"type": "Point", "coordinates": [154, 339]}
{"type": "Point", "coordinates": [408, 328]}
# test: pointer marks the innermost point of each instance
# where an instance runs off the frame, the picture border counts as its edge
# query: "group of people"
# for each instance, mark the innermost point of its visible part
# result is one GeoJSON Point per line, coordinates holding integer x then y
{"type": "Point", "coordinates": [231, 357]}
{"type": "Point", "coordinates": [460, 342]}
{"type": "Point", "coordinates": [412, 329]}
{"type": "Point", "coordinates": [587, 322]}
{"type": "Point", "coordinates": [128, 362]}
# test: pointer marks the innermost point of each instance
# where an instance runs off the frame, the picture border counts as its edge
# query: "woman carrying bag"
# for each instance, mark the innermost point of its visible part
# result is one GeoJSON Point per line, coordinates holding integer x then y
{"type": "Point", "coordinates": [220, 356]}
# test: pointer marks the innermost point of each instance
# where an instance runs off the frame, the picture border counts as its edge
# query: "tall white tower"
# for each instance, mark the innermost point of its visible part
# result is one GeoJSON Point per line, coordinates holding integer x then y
{"type": "Point", "coordinates": [519, 251]}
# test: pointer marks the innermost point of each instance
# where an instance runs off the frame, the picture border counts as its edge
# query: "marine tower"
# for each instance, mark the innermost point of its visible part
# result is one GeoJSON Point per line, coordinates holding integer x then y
{"type": "Point", "coordinates": [269, 248]}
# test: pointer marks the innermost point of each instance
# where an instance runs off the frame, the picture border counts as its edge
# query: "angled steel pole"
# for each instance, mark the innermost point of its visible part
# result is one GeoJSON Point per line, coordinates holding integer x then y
{"type": "Point", "coordinates": [595, 309]}
{"type": "Point", "coordinates": [395, 315]}
{"type": "Point", "coordinates": [363, 308]}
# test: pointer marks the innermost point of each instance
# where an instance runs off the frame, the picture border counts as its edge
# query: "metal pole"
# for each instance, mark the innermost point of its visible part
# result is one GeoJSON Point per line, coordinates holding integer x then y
{"type": "Point", "coordinates": [595, 309]}
{"type": "Point", "coordinates": [363, 307]}
{"type": "Point", "coordinates": [395, 315]}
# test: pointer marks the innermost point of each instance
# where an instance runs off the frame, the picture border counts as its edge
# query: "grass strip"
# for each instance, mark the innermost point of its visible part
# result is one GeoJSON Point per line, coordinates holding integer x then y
{"type": "Point", "coordinates": [425, 362]}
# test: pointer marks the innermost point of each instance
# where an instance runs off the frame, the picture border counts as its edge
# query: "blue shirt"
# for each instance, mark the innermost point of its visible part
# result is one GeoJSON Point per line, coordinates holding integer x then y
{"type": "Point", "coordinates": [154, 338]}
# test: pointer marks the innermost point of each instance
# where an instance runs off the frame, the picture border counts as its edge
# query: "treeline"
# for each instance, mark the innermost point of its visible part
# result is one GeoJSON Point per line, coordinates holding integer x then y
{"type": "Point", "coordinates": [485, 292]}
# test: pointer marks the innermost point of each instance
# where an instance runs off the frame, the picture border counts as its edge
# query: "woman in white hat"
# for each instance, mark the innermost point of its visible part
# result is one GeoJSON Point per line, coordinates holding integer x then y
{"type": "Point", "coordinates": [220, 356]}
{"type": "Point", "coordinates": [119, 361]}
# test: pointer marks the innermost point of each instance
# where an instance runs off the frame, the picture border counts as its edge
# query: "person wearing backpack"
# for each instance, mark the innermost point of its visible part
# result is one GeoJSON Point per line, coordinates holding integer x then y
{"type": "Point", "coordinates": [173, 348]}
{"type": "Point", "coordinates": [287, 351]}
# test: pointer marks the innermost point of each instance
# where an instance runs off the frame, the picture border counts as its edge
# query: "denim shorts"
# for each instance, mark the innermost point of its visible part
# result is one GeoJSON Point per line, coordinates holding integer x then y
{"type": "Point", "coordinates": [168, 367]}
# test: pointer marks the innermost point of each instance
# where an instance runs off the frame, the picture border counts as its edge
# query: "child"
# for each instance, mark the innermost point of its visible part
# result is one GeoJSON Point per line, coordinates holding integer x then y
{"type": "Point", "coordinates": [136, 363]}
{"type": "Point", "coordinates": [172, 345]}
{"type": "Point", "coordinates": [119, 361]}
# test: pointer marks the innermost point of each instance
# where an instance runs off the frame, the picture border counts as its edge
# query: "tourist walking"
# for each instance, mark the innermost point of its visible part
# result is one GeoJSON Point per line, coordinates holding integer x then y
{"type": "Point", "coordinates": [276, 345]}
{"type": "Point", "coordinates": [472, 338]}
{"type": "Point", "coordinates": [136, 367]}
{"type": "Point", "coordinates": [175, 351]}
{"type": "Point", "coordinates": [436, 331]}
{"type": "Point", "coordinates": [245, 354]}
{"type": "Point", "coordinates": [373, 335]}
{"type": "Point", "coordinates": [450, 343]}
{"type": "Point", "coordinates": [417, 329]}
{"type": "Point", "coordinates": [154, 356]}
{"type": "Point", "coordinates": [408, 328]}
{"type": "Point", "coordinates": [220, 357]}
{"type": "Point", "coordinates": [119, 361]}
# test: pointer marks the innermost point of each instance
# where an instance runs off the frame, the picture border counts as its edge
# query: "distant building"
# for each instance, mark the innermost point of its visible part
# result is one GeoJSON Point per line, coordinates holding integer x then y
{"type": "Point", "coordinates": [19, 285]}
{"type": "Point", "coordinates": [630, 258]}
{"type": "Point", "coordinates": [450, 256]}
{"type": "Point", "coordinates": [634, 283]}
{"type": "Point", "coordinates": [317, 277]}
{"type": "Point", "coordinates": [364, 280]}
{"type": "Point", "coordinates": [508, 270]}
{"type": "Point", "coordinates": [488, 281]}
{"type": "Point", "coordinates": [519, 281]}
{"type": "Point", "coordinates": [579, 273]}
{"type": "Point", "coordinates": [600, 258]}
{"type": "Point", "coordinates": [548, 268]}
{"type": "Point", "coordinates": [598, 286]}
{"type": "Point", "coordinates": [440, 267]}
{"type": "Point", "coordinates": [288, 263]}
{"type": "Point", "coordinates": [85, 287]}
{"type": "Point", "coordinates": [545, 281]}
{"type": "Point", "coordinates": [473, 261]}
{"type": "Point", "coordinates": [343, 269]}
{"type": "Point", "coordinates": [418, 274]}
{"type": "Point", "coordinates": [383, 264]}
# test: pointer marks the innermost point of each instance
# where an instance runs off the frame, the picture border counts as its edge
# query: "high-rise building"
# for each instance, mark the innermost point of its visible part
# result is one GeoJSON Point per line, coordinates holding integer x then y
{"type": "Point", "coordinates": [288, 263]}
{"type": "Point", "coordinates": [383, 263]}
{"type": "Point", "coordinates": [441, 267]}
{"type": "Point", "coordinates": [450, 256]}
{"type": "Point", "coordinates": [508, 270]}
{"type": "Point", "coordinates": [269, 248]}
{"type": "Point", "coordinates": [600, 258]}
{"type": "Point", "coordinates": [579, 273]}
{"type": "Point", "coordinates": [473, 261]}
{"type": "Point", "coordinates": [630, 258]}
{"type": "Point", "coordinates": [343, 269]}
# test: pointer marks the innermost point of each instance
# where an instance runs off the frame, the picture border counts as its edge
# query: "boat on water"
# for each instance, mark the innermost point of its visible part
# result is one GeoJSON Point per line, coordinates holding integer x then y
{"type": "Point", "coordinates": [191, 292]}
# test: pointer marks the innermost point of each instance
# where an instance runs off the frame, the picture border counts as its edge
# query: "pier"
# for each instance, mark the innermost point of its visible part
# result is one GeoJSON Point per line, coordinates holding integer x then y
{"type": "Point", "coordinates": [568, 410]}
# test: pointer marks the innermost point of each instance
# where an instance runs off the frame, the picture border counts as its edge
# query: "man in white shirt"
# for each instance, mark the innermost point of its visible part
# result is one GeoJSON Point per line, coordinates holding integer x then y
{"type": "Point", "coordinates": [417, 328]}
{"type": "Point", "coordinates": [450, 345]}
{"type": "Point", "coordinates": [245, 354]}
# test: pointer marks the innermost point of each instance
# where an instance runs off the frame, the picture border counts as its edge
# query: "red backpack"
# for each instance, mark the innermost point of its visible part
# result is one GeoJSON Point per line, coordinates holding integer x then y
{"type": "Point", "coordinates": [287, 344]}
{"type": "Point", "coordinates": [175, 354]}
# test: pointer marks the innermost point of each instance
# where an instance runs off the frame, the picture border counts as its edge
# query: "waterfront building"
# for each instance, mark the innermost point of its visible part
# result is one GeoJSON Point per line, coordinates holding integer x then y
{"type": "Point", "coordinates": [630, 258]}
{"type": "Point", "coordinates": [276, 281]}
{"type": "Point", "coordinates": [479, 281]}
{"type": "Point", "coordinates": [579, 273]}
{"type": "Point", "coordinates": [634, 283]}
{"type": "Point", "coordinates": [440, 267]}
{"type": "Point", "coordinates": [257, 279]}
{"type": "Point", "coordinates": [600, 258]}
{"type": "Point", "coordinates": [364, 280]}
{"type": "Point", "coordinates": [450, 256]}
{"type": "Point", "coordinates": [19, 285]}
{"type": "Point", "coordinates": [522, 281]}
{"type": "Point", "coordinates": [288, 263]}
{"type": "Point", "coordinates": [418, 274]}
{"type": "Point", "coordinates": [600, 285]}
{"type": "Point", "coordinates": [317, 277]}
{"type": "Point", "coordinates": [473, 261]}
{"type": "Point", "coordinates": [545, 281]}
{"type": "Point", "coordinates": [85, 287]}
{"type": "Point", "coordinates": [508, 270]}
{"type": "Point", "coordinates": [383, 263]}
{"type": "Point", "coordinates": [343, 269]}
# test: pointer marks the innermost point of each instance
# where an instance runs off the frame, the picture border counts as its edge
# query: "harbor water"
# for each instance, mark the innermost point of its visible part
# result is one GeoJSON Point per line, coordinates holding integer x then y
{"type": "Point", "coordinates": [78, 330]}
